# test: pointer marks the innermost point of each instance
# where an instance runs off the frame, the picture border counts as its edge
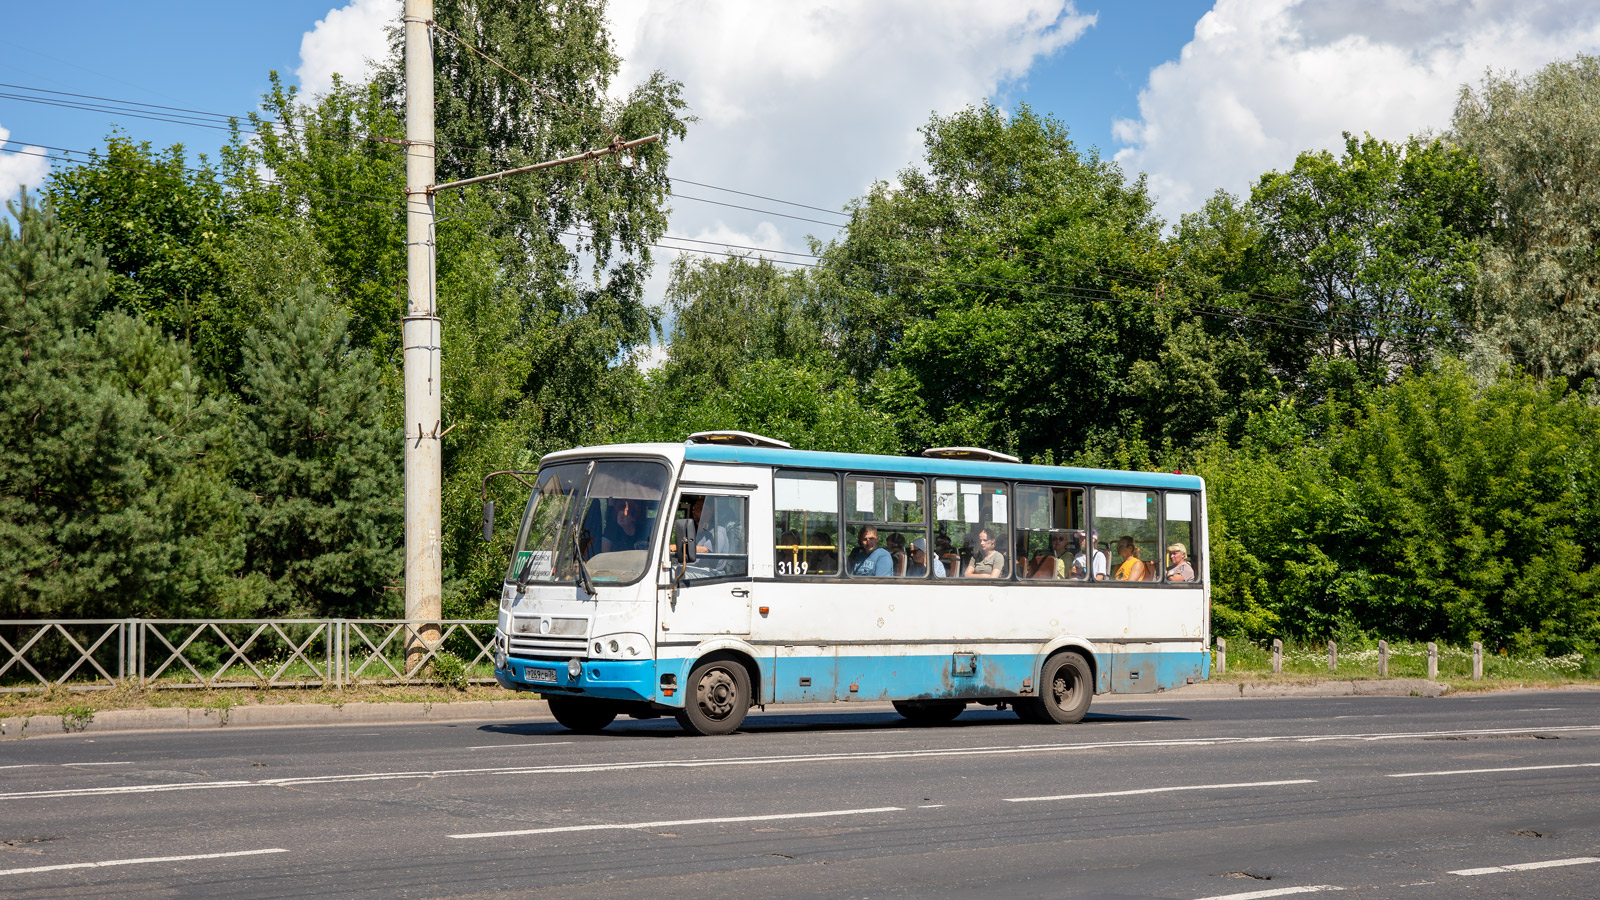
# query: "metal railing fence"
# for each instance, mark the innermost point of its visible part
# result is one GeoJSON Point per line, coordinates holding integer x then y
{"type": "Point", "coordinates": [101, 654]}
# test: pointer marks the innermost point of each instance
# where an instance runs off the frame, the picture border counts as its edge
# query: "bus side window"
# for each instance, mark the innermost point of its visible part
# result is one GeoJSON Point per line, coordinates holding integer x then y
{"type": "Point", "coordinates": [719, 542]}
{"type": "Point", "coordinates": [885, 518]}
{"type": "Point", "coordinates": [963, 512]}
{"type": "Point", "coordinates": [805, 524]}
{"type": "Point", "coordinates": [1049, 533]}
{"type": "Point", "coordinates": [1181, 547]}
{"type": "Point", "coordinates": [1128, 522]}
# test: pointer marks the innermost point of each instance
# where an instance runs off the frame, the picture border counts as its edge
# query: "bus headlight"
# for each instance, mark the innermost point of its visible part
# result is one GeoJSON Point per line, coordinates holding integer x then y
{"type": "Point", "coordinates": [620, 646]}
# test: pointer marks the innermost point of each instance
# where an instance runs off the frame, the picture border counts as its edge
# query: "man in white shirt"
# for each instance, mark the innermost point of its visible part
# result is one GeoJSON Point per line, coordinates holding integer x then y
{"type": "Point", "coordinates": [1081, 561]}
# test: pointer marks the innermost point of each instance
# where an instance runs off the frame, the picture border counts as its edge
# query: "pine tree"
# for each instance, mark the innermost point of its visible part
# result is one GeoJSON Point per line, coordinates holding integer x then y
{"type": "Point", "coordinates": [322, 476]}
{"type": "Point", "coordinates": [113, 500]}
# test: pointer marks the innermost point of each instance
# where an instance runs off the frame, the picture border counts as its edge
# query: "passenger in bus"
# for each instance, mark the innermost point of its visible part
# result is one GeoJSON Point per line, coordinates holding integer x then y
{"type": "Point", "coordinates": [917, 564]}
{"type": "Point", "coordinates": [708, 536]}
{"type": "Point", "coordinates": [821, 555]}
{"type": "Point", "coordinates": [1131, 567]}
{"type": "Point", "coordinates": [868, 559]}
{"type": "Point", "coordinates": [1081, 560]}
{"type": "Point", "coordinates": [945, 552]}
{"type": "Point", "coordinates": [896, 545]}
{"type": "Point", "coordinates": [789, 553]}
{"type": "Point", "coordinates": [987, 562]}
{"type": "Point", "coordinates": [1178, 568]}
{"type": "Point", "coordinates": [627, 531]}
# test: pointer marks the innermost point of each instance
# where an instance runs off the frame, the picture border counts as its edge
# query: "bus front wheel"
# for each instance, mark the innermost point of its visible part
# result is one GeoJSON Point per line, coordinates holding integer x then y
{"type": "Point", "coordinates": [719, 697]}
{"type": "Point", "coordinates": [582, 716]}
{"type": "Point", "coordinates": [1065, 689]}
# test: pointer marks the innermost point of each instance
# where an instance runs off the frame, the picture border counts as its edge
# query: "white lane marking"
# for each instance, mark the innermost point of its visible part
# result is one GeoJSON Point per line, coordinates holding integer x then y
{"type": "Point", "coordinates": [1277, 892]}
{"type": "Point", "coordinates": [137, 862]}
{"type": "Point", "coordinates": [851, 756]}
{"type": "Point", "coordinates": [932, 806]}
{"type": "Point", "coordinates": [1506, 769]}
{"type": "Point", "coordinates": [1162, 790]}
{"type": "Point", "coordinates": [518, 746]}
{"type": "Point", "coordinates": [638, 825]}
{"type": "Point", "coordinates": [66, 765]}
{"type": "Point", "coordinates": [1514, 867]}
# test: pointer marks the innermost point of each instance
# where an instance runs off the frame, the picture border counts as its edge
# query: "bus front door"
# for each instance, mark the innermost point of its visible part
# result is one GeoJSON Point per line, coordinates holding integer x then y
{"type": "Point", "coordinates": [714, 594]}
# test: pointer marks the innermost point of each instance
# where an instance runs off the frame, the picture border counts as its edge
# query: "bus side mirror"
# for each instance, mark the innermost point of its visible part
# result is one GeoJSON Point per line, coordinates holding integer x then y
{"type": "Point", "coordinates": [488, 520]}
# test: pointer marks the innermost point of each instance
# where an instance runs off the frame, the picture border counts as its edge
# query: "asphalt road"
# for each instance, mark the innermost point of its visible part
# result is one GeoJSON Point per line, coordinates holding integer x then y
{"type": "Point", "coordinates": [1494, 795]}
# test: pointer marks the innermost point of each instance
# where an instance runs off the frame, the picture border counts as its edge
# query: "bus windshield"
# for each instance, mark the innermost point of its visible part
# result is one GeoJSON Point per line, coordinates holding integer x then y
{"type": "Point", "coordinates": [605, 510]}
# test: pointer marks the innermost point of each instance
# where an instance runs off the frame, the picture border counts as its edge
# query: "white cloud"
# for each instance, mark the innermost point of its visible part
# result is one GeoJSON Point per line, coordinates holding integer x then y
{"type": "Point", "coordinates": [1264, 80]}
{"type": "Point", "coordinates": [20, 167]}
{"type": "Point", "coordinates": [346, 41]}
{"type": "Point", "coordinates": [814, 101]}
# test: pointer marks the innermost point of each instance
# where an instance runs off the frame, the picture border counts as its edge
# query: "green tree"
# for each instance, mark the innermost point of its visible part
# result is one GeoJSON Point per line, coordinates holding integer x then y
{"type": "Point", "coordinates": [575, 242]}
{"type": "Point", "coordinates": [1382, 240]}
{"type": "Point", "coordinates": [164, 229]}
{"type": "Point", "coordinates": [1008, 282]}
{"type": "Point", "coordinates": [319, 468]}
{"type": "Point", "coordinates": [335, 196]}
{"type": "Point", "coordinates": [811, 408]}
{"type": "Point", "coordinates": [1537, 140]}
{"type": "Point", "coordinates": [729, 313]}
{"type": "Point", "coordinates": [1443, 509]}
{"type": "Point", "coordinates": [114, 499]}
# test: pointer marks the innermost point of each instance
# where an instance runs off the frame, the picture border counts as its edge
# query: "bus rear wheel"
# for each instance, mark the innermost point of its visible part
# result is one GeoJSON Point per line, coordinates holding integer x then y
{"type": "Point", "coordinates": [582, 716]}
{"type": "Point", "coordinates": [1065, 689]}
{"type": "Point", "coordinates": [719, 697]}
{"type": "Point", "coordinates": [929, 712]}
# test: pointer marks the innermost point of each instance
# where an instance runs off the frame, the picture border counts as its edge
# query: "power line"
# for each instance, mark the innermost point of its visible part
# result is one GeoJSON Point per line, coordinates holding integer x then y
{"type": "Point", "coordinates": [713, 187]}
{"type": "Point", "coordinates": [766, 212]}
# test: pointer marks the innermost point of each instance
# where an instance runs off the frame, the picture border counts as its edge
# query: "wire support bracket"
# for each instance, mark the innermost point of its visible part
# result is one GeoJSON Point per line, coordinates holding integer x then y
{"type": "Point", "coordinates": [616, 146]}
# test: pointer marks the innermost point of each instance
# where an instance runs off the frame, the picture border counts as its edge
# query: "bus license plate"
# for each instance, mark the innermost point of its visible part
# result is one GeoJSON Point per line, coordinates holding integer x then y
{"type": "Point", "coordinates": [548, 676]}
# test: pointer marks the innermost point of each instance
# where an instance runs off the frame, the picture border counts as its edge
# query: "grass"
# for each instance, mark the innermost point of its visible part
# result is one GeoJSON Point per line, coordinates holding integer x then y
{"type": "Point", "coordinates": [81, 705]}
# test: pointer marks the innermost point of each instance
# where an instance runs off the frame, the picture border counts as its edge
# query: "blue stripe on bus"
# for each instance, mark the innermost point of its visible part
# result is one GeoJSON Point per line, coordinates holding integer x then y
{"type": "Point", "coordinates": [874, 677]}
{"type": "Point", "coordinates": [861, 462]}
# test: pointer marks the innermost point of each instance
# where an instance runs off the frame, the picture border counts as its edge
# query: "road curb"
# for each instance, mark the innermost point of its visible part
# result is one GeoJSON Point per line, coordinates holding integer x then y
{"type": "Point", "coordinates": [273, 715]}
{"type": "Point", "coordinates": [288, 714]}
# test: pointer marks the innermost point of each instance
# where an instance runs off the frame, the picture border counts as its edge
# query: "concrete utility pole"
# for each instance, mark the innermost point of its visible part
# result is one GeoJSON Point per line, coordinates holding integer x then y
{"type": "Point", "coordinates": [420, 339]}
{"type": "Point", "coordinates": [420, 330]}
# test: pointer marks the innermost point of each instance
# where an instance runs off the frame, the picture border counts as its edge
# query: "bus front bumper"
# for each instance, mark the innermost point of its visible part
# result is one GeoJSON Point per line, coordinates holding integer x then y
{"type": "Point", "coordinates": [609, 679]}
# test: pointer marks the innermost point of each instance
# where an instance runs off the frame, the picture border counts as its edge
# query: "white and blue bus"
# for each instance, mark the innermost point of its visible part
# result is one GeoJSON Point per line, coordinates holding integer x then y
{"type": "Point", "coordinates": [700, 579]}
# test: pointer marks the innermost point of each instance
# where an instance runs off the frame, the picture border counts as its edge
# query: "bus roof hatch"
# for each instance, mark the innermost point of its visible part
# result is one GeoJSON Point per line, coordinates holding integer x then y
{"type": "Point", "coordinates": [737, 438]}
{"type": "Point", "coordinates": [969, 453]}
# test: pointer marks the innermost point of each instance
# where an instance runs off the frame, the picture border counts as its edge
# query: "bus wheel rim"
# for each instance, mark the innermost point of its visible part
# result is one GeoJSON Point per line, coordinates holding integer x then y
{"type": "Point", "coordinates": [716, 692]}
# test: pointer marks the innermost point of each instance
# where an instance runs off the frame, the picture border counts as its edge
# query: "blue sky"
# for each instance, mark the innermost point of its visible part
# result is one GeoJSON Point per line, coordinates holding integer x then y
{"type": "Point", "coordinates": [1097, 78]}
{"type": "Point", "coordinates": [814, 100]}
{"type": "Point", "coordinates": [211, 56]}
{"type": "Point", "coordinates": [215, 57]}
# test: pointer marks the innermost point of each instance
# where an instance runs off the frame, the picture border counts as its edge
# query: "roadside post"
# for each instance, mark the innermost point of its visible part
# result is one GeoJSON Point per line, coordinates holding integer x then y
{"type": "Point", "coordinates": [1433, 661]}
{"type": "Point", "coordinates": [420, 329]}
{"type": "Point", "coordinates": [1333, 657]}
{"type": "Point", "coordinates": [1383, 659]}
{"type": "Point", "coordinates": [1277, 656]}
{"type": "Point", "coordinates": [1222, 656]}
{"type": "Point", "coordinates": [1477, 660]}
